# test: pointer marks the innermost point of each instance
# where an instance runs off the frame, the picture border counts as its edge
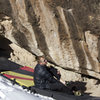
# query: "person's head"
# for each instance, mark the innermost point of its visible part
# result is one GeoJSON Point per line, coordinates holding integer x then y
{"type": "Point", "coordinates": [41, 60]}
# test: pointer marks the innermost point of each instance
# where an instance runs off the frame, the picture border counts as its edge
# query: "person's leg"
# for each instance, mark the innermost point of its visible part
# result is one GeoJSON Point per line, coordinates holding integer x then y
{"type": "Point", "coordinates": [54, 86]}
{"type": "Point", "coordinates": [58, 86]}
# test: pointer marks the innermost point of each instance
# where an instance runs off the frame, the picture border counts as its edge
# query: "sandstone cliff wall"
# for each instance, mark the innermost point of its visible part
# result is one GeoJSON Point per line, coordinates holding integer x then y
{"type": "Point", "coordinates": [66, 31]}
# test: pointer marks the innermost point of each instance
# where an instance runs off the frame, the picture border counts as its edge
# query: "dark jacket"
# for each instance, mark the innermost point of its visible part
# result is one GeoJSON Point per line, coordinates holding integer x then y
{"type": "Point", "coordinates": [44, 75]}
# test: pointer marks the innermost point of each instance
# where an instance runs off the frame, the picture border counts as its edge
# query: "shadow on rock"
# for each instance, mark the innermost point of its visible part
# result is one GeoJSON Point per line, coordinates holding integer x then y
{"type": "Point", "coordinates": [5, 49]}
{"type": "Point", "coordinates": [77, 87]}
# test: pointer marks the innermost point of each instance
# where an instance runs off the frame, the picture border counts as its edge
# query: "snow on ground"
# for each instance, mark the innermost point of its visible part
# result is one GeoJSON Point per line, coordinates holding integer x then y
{"type": "Point", "coordinates": [15, 92]}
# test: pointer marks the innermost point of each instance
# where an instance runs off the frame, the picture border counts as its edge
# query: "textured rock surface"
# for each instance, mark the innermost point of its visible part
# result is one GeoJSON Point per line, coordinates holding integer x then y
{"type": "Point", "coordinates": [66, 31]}
{"type": "Point", "coordinates": [21, 56]}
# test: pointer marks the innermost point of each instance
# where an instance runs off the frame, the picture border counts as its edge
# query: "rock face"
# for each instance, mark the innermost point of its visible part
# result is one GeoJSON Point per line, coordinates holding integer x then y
{"type": "Point", "coordinates": [66, 31]}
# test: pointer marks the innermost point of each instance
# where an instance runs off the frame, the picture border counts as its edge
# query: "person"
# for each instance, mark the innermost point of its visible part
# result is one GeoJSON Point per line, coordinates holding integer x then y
{"type": "Point", "coordinates": [48, 77]}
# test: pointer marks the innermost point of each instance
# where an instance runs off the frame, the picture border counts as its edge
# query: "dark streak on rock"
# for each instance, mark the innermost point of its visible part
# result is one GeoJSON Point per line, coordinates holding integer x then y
{"type": "Point", "coordinates": [5, 9]}
{"type": "Point", "coordinates": [32, 18]}
{"type": "Point", "coordinates": [75, 41]}
{"type": "Point", "coordinates": [98, 45]}
{"type": "Point", "coordinates": [20, 38]}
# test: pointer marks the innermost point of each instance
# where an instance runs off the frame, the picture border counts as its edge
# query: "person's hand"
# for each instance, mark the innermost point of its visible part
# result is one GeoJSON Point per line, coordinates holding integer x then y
{"type": "Point", "coordinates": [58, 72]}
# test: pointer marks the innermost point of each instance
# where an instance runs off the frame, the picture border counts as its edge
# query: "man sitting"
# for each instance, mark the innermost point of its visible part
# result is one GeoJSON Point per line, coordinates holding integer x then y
{"type": "Point", "coordinates": [48, 77]}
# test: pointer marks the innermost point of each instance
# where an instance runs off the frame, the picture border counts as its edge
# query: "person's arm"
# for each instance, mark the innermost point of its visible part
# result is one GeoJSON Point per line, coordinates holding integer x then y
{"type": "Point", "coordinates": [46, 74]}
{"type": "Point", "coordinates": [55, 72]}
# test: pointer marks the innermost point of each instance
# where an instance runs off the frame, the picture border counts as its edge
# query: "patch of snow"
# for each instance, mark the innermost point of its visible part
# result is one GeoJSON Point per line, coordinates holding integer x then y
{"type": "Point", "coordinates": [8, 91]}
